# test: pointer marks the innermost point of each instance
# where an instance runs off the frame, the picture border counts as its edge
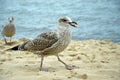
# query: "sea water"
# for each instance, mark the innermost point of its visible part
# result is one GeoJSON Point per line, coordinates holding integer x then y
{"type": "Point", "coordinates": [97, 19]}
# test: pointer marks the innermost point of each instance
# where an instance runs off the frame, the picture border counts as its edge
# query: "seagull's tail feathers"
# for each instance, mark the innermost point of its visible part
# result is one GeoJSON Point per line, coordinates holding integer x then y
{"type": "Point", "coordinates": [18, 47]}
{"type": "Point", "coordinates": [15, 48]}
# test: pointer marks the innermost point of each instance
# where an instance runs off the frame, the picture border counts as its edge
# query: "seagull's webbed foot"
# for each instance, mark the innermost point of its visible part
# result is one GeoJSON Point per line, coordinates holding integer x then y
{"type": "Point", "coordinates": [69, 67]}
{"type": "Point", "coordinates": [44, 69]}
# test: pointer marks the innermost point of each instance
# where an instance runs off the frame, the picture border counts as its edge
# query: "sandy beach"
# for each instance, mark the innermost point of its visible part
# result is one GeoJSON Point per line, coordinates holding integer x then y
{"type": "Point", "coordinates": [92, 60]}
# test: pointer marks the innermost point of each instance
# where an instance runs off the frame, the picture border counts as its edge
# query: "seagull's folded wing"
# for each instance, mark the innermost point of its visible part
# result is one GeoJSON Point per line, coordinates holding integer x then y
{"type": "Point", "coordinates": [42, 41]}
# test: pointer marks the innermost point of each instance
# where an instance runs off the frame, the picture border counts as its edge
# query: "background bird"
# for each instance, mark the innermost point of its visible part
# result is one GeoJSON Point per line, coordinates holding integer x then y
{"type": "Point", "coordinates": [8, 30]}
{"type": "Point", "coordinates": [51, 43]}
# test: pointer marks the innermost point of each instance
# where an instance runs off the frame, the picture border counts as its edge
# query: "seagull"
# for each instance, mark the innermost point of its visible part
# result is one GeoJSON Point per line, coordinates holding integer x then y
{"type": "Point", "coordinates": [50, 43]}
{"type": "Point", "coordinates": [8, 30]}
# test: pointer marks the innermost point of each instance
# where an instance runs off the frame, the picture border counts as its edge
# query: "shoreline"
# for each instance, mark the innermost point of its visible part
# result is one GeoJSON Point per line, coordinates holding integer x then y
{"type": "Point", "coordinates": [92, 60]}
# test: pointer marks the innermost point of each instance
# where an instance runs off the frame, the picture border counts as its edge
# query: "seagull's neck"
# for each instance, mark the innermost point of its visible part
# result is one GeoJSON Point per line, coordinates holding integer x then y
{"type": "Point", "coordinates": [64, 31]}
{"type": "Point", "coordinates": [62, 28]}
{"type": "Point", "coordinates": [65, 35]}
{"type": "Point", "coordinates": [11, 22]}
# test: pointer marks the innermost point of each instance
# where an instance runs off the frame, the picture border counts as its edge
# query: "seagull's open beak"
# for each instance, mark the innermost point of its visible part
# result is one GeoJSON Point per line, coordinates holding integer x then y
{"type": "Point", "coordinates": [74, 24]}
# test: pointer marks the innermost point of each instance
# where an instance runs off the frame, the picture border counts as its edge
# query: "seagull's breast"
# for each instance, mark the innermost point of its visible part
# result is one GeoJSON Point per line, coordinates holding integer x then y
{"type": "Point", "coordinates": [65, 38]}
{"type": "Point", "coordinates": [8, 30]}
{"type": "Point", "coordinates": [62, 43]}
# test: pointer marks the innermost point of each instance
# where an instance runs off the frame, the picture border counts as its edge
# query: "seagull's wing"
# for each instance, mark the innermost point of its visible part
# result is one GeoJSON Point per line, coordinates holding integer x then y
{"type": "Point", "coordinates": [43, 41]}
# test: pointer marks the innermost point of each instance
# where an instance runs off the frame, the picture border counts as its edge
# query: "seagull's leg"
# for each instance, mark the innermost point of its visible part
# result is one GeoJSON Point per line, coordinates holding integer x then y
{"type": "Point", "coordinates": [5, 39]}
{"type": "Point", "coordinates": [42, 69]}
{"type": "Point", "coordinates": [10, 39]}
{"type": "Point", "coordinates": [67, 66]}
{"type": "Point", "coordinates": [42, 58]}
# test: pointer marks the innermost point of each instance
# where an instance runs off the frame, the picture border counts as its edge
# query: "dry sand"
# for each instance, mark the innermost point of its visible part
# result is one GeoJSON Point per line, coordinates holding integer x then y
{"type": "Point", "coordinates": [92, 59]}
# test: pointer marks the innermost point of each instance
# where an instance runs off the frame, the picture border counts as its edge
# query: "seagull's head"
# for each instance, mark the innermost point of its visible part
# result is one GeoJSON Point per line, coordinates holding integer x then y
{"type": "Point", "coordinates": [11, 19]}
{"type": "Point", "coordinates": [66, 22]}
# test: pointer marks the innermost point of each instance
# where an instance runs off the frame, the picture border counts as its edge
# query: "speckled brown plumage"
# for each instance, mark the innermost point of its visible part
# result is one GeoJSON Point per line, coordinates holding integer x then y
{"type": "Point", "coordinates": [51, 43]}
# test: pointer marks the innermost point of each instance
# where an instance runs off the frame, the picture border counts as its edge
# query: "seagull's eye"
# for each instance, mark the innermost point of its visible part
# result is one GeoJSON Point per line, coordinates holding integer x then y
{"type": "Point", "coordinates": [64, 20]}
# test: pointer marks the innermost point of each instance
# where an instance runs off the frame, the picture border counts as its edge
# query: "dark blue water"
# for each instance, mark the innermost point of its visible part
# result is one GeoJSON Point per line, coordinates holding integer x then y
{"type": "Point", "coordinates": [97, 19]}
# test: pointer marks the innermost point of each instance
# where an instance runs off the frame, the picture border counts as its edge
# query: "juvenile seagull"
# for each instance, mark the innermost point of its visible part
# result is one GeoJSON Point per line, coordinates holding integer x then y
{"type": "Point", "coordinates": [50, 43]}
{"type": "Point", "coordinates": [8, 30]}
